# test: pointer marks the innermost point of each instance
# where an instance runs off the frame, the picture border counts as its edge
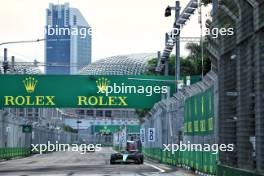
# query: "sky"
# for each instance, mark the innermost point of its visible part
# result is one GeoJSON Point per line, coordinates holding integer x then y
{"type": "Point", "coordinates": [119, 26]}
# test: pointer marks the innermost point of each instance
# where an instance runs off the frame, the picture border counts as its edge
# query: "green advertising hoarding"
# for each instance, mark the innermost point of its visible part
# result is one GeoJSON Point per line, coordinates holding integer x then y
{"type": "Point", "coordinates": [199, 114]}
{"type": "Point", "coordinates": [26, 128]}
{"type": "Point", "coordinates": [81, 91]}
{"type": "Point", "coordinates": [115, 128]}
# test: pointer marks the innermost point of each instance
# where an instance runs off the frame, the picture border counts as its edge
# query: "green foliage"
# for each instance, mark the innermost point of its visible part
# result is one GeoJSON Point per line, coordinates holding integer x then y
{"type": "Point", "coordinates": [187, 67]}
{"type": "Point", "coordinates": [195, 57]}
{"type": "Point", "coordinates": [190, 65]}
{"type": "Point", "coordinates": [206, 2]}
{"type": "Point", "coordinates": [151, 67]}
{"type": "Point", "coordinates": [142, 113]}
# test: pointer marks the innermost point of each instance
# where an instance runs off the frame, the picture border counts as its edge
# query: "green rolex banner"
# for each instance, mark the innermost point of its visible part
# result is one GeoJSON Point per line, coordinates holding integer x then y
{"type": "Point", "coordinates": [80, 91]}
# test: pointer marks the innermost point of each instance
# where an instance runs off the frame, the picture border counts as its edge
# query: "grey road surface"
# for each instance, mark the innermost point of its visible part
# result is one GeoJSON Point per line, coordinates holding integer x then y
{"type": "Point", "coordinates": [73, 163]}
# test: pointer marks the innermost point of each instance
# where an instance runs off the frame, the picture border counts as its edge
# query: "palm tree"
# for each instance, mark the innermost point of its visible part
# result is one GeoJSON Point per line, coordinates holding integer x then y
{"type": "Point", "coordinates": [195, 57]}
{"type": "Point", "coordinates": [194, 49]}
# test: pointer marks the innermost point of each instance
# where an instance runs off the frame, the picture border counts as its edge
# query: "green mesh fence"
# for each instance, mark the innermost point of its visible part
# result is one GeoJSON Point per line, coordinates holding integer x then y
{"type": "Point", "coordinates": [8, 153]}
{"type": "Point", "coordinates": [200, 161]}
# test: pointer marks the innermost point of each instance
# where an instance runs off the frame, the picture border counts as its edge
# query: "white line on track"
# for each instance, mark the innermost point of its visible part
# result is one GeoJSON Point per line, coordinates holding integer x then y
{"type": "Point", "coordinates": [155, 167]}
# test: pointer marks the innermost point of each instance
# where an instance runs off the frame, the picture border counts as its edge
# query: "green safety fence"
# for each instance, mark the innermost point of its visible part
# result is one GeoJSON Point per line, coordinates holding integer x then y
{"type": "Point", "coordinates": [223, 170]}
{"type": "Point", "coordinates": [205, 162]}
{"type": "Point", "coordinates": [106, 145]}
{"type": "Point", "coordinates": [198, 121]}
{"type": "Point", "coordinates": [116, 147]}
{"type": "Point", "coordinates": [8, 153]}
{"type": "Point", "coordinates": [153, 153]}
{"type": "Point", "coordinates": [199, 114]}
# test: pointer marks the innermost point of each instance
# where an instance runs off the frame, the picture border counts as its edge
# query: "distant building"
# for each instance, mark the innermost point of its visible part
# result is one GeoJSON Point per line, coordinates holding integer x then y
{"type": "Point", "coordinates": [68, 44]}
{"type": "Point", "coordinates": [132, 64]}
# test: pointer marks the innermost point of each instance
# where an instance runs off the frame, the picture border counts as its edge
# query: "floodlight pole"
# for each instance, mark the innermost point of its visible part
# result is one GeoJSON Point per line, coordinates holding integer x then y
{"type": "Point", "coordinates": [166, 71]}
{"type": "Point", "coordinates": [201, 28]}
{"type": "Point", "coordinates": [177, 45]}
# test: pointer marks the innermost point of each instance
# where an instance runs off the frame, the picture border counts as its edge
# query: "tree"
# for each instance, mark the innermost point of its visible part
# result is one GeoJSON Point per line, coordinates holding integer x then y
{"type": "Point", "coordinates": [195, 56]}
{"type": "Point", "coordinates": [142, 113]}
{"type": "Point", "coordinates": [194, 49]}
{"type": "Point", "coordinates": [187, 67]}
{"type": "Point", "coordinates": [190, 65]}
{"type": "Point", "coordinates": [152, 67]}
{"type": "Point", "coordinates": [206, 2]}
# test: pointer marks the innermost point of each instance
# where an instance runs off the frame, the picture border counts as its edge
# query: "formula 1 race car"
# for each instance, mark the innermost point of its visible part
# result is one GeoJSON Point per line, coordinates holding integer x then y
{"type": "Point", "coordinates": [132, 156]}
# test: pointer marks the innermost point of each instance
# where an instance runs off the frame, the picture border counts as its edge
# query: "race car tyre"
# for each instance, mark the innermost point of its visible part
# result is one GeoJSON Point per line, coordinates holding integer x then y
{"type": "Point", "coordinates": [141, 161]}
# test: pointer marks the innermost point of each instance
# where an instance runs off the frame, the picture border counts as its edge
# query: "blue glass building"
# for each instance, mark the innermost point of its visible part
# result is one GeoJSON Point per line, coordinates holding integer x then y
{"type": "Point", "coordinates": [68, 40]}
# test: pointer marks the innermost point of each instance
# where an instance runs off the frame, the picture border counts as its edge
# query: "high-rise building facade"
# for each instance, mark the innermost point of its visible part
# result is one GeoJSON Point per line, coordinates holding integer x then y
{"type": "Point", "coordinates": [68, 40]}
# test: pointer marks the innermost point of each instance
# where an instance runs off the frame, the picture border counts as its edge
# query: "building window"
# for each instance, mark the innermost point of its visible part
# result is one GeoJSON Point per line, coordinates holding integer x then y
{"type": "Point", "coordinates": [67, 18]}
{"type": "Point", "coordinates": [74, 20]}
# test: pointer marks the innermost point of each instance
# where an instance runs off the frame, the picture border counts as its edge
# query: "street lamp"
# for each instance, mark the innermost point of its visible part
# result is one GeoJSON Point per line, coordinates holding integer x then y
{"type": "Point", "coordinates": [168, 11]}
{"type": "Point", "coordinates": [5, 63]}
{"type": "Point", "coordinates": [23, 41]}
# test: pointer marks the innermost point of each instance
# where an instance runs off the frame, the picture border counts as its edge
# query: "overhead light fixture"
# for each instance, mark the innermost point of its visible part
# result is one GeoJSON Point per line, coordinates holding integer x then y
{"type": "Point", "coordinates": [168, 11]}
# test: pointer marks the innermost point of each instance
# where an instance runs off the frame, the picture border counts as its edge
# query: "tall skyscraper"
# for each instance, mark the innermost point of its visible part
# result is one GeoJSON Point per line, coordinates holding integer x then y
{"type": "Point", "coordinates": [68, 40]}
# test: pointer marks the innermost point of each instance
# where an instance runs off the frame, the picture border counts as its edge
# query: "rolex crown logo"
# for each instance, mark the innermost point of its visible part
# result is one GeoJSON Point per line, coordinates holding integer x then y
{"type": "Point", "coordinates": [102, 84]}
{"type": "Point", "coordinates": [30, 84]}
